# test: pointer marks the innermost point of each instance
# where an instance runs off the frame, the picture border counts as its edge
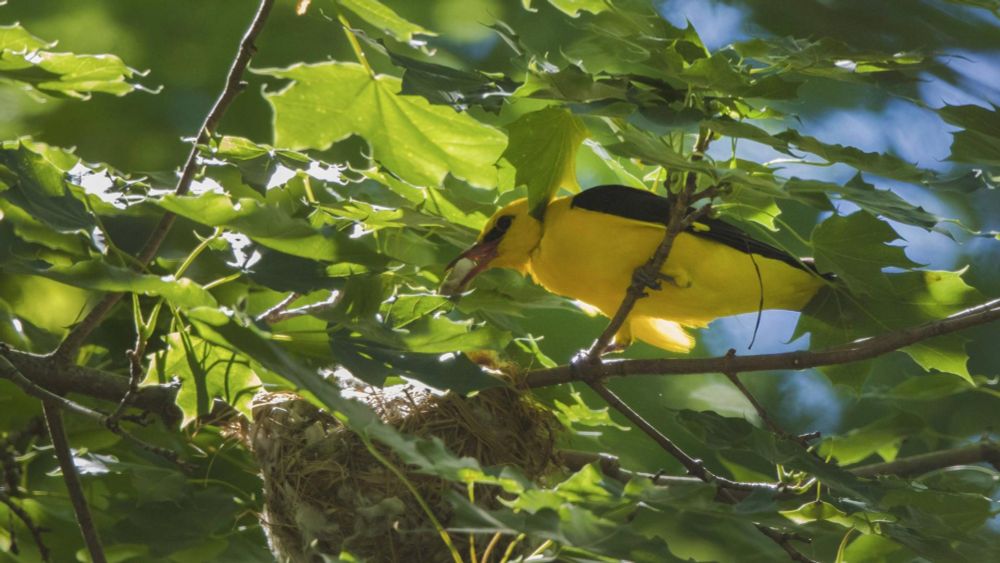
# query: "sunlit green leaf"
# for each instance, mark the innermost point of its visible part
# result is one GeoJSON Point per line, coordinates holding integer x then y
{"type": "Point", "coordinates": [573, 7]}
{"type": "Point", "coordinates": [385, 19]}
{"type": "Point", "coordinates": [269, 226]}
{"type": "Point", "coordinates": [542, 148]}
{"type": "Point", "coordinates": [26, 60]}
{"type": "Point", "coordinates": [420, 142]}
{"type": "Point", "coordinates": [98, 275]}
{"type": "Point", "coordinates": [205, 372]}
{"type": "Point", "coordinates": [883, 437]}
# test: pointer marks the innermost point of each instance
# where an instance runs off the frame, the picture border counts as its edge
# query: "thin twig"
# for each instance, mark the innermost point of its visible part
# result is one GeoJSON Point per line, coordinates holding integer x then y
{"type": "Point", "coordinates": [271, 315]}
{"type": "Point", "coordinates": [234, 85]}
{"type": "Point", "coordinates": [277, 314]}
{"type": "Point", "coordinates": [134, 379]}
{"type": "Point", "coordinates": [57, 432]}
{"type": "Point", "coordinates": [859, 350]}
{"type": "Point", "coordinates": [695, 467]}
{"type": "Point", "coordinates": [25, 518]}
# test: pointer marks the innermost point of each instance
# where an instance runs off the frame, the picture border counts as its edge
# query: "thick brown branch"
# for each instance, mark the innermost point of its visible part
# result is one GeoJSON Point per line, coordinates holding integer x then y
{"type": "Point", "coordinates": [234, 85]}
{"type": "Point", "coordinates": [158, 399]}
{"type": "Point", "coordinates": [53, 418]}
{"type": "Point", "coordinates": [864, 349]}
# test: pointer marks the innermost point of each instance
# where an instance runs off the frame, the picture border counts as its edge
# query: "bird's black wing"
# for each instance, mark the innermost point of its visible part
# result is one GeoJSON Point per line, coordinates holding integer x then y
{"type": "Point", "coordinates": [642, 205]}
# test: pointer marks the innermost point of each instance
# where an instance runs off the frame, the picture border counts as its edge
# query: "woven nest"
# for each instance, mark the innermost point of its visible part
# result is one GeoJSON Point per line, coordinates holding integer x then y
{"type": "Point", "coordinates": [325, 492]}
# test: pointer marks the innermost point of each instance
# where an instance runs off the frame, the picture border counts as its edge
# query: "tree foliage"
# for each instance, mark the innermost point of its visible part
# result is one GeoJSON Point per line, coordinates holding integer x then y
{"type": "Point", "coordinates": [372, 143]}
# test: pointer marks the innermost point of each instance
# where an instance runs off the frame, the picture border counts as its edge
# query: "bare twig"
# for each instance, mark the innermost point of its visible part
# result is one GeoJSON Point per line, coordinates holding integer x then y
{"type": "Point", "coordinates": [759, 408]}
{"type": "Point", "coordinates": [279, 312]}
{"type": "Point", "coordinates": [25, 518]}
{"type": "Point", "coordinates": [859, 350]}
{"type": "Point", "coordinates": [272, 315]}
{"type": "Point", "coordinates": [135, 377]}
{"type": "Point", "coordinates": [53, 418]}
{"type": "Point", "coordinates": [234, 85]}
{"type": "Point", "coordinates": [693, 466]}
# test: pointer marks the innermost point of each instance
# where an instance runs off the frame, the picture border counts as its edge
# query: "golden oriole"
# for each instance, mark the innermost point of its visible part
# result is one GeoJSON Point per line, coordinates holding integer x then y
{"type": "Point", "coordinates": [588, 246]}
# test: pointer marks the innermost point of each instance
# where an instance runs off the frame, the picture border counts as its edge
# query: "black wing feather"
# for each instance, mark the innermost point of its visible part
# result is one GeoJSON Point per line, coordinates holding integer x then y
{"type": "Point", "coordinates": [646, 206]}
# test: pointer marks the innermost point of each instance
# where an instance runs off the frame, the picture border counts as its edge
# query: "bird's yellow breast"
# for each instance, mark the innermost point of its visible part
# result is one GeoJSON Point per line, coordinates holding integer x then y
{"type": "Point", "coordinates": [590, 256]}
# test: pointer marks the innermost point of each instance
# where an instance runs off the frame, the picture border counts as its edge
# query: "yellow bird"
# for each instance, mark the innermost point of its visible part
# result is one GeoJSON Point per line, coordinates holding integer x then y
{"type": "Point", "coordinates": [588, 246]}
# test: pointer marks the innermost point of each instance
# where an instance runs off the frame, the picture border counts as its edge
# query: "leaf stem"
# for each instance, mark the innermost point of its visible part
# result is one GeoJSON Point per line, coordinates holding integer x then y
{"type": "Point", "coordinates": [455, 555]}
{"type": "Point", "coordinates": [355, 45]}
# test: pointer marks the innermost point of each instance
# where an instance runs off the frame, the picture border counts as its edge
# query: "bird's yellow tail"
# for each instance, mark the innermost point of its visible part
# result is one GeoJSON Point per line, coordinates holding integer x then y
{"type": "Point", "coordinates": [668, 335]}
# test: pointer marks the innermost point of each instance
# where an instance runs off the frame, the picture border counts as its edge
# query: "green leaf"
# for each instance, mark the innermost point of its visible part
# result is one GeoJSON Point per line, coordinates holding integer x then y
{"type": "Point", "coordinates": [373, 362]}
{"type": "Point", "coordinates": [270, 226]}
{"type": "Point", "coordinates": [572, 7]}
{"type": "Point", "coordinates": [542, 147]}
{"type": "Point", "coordinates": [385, 19]}
{"type": "Point", "coordinates": [581, 532]}
{"type": "Point", "coordinates": [98, 275]}
{"type": "Point", "coordinates": [420, 142]}
{"type": "Point", "coordinates": [457, 88]}
{"type": "Point", "coordinates": [790, 140]}
{"type": "Point", "coordinates": [38, 187]}
{"type": "Point", "coordinates": [820, 511]}
{"type": "Point", "coordinates": [884, 437]}
{"type": "Point", "coordinates": [854, 248]}
{"type": "Point", "coordinates": [883, 203]}
{"type": "Point", "coordinates": [979, 142]}
{"type": "Point", "coordinates": [205, 372]}
{"type": "Point", "coordinates": [25, 60]}
{"type": "Point", "coordinates": [580, 414]}
{"type": "Point", "coordinates": [913, 298]}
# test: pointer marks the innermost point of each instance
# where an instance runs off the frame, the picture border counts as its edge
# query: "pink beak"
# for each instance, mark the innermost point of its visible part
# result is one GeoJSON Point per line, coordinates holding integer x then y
{"type": "Point", "coordinates": [466, 266]}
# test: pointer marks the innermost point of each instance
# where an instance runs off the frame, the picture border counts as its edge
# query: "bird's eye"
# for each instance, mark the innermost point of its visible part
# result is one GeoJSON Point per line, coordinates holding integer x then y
{"type": "Point", "coordinates": [503, 223]}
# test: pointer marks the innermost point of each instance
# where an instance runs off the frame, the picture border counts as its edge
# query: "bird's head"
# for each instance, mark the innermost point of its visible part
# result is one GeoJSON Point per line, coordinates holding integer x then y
{"type": "Point", "coordinates": [505, 242]}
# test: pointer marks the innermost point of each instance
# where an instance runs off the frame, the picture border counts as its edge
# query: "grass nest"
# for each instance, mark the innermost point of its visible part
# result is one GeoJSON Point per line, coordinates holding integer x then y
{"type": "Point", "coordinates": [324, 491]}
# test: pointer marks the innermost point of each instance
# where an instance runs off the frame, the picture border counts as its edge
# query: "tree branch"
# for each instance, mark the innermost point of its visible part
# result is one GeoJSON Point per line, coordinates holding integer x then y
{"type": "Point", "coordinates": [99, 384]}
{"type": "Point", "coordinates": [53, 418]}
{"type": "Point", "coordinates": [856, 351]}
{"type": "Point", "coordinates": [234, 85]}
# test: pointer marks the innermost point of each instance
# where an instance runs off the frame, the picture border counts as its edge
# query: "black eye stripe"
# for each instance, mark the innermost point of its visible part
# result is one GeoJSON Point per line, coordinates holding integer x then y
{"type": "Point", "coordinates": [499, 228]}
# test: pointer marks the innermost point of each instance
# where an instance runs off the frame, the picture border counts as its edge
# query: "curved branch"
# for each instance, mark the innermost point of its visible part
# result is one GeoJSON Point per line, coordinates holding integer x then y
{"type": "Point", "coordinates": [234, 85]}
{"type": "Point", "coordinates": [864, 349]}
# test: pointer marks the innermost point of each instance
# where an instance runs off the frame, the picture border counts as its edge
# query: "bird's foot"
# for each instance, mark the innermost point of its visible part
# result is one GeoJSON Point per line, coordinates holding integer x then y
{"type": "Point", "coordinates": [614, 348]}
{"type": "Point", "coordinates": [654, 282]}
